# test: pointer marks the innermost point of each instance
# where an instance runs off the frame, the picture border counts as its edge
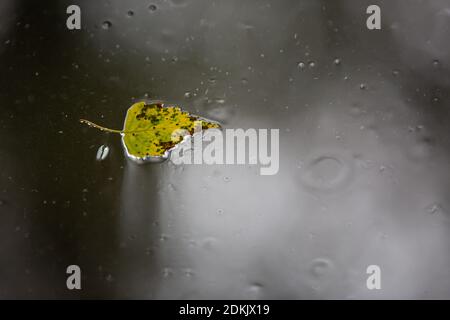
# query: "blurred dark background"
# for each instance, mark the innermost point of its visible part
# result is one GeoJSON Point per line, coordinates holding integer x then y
{"type": "Point", "coordinates": [363, 118]}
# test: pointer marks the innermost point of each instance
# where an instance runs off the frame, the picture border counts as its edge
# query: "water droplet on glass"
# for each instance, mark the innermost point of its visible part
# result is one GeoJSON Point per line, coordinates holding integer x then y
{"type": "Point", "coordinates": [326, 173]}
{"type": "Point", "coordinates": [312, 64]}
{"type": "Point", "coordinates": [337, 61]}
{"type": "Point", "coordinates": [320, 267]}
{"type": "Point", "coordinates": [130, 13]}
{"type": "Point", "coordinates": [102, 153]}
{"type": "Point", "coordinates": [152, 8]}
{"type": "Point", "coordinates": [301, 65]}
{"type": "Point", "coordinates": [395, 73]}
{"type": "Point", "coordinates": [254, 291]}
{"type": "Point", "coordinates": [188, 273]}
{"type": "Point", "coordinates": [167, 272]}
{"type": "Point", "coordinates": [109, 278]}
{"type": "Point", "coordinates": [106, 25]}
{"type": "Point", "coordinates": [434, 208]}
{"type": "Point", "coordinates": [363, 86]}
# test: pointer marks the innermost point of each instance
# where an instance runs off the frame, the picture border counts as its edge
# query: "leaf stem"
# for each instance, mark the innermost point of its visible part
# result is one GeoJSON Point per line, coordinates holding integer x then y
{"type": "Point", "coordinates": [94, 125]}
{"type": "Point", "coordinates": [91, 124]}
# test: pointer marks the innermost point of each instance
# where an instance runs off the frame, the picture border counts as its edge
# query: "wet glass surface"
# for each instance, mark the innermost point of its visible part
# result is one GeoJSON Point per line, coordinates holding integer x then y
{"type": "Point", "coordinates": [364, 140]}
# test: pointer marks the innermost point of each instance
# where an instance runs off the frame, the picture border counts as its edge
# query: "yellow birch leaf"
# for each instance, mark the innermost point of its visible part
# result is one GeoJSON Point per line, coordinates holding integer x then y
{"type": "Point", "coordinates": [151, 130]}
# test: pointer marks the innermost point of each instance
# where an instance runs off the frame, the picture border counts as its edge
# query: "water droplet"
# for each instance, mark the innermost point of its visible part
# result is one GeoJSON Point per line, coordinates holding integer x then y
{"type": "Point", "coordinates": [436, 63]}
{"type": "Point", "coordinates": [130, 13]}
{"type": "Point", "coordinates": [326, 172]}
{"type": "Point", "coordinates": [320, 267]}
{"type": "Point", "coordinates": [363, 86]}
{"type": "Point", "coordinates": [188, 273]}
{"type": "Point", "coordinates": [395, 73]}
{"type": "Point", "coordinates": [220, 101]}
{"type": "Point", "coordinates": [102, 152]}
{"type": "Point", "coordinates": [301, 65]}
{"type": "Point", "coordinates": [220, 212]}
{"type": "Point", "coordinates": [226, 179]}
{"type": "Point", "coordinates": [167, 272]}
{"type": "Point", "coordinates": [254, 291]}
{"type": "Point", "coordinates": [152, 8]}
{"type": "Point", "coordinates": [109, 278]}
{"type": "Point", "coordinates": [337, 61]}
{"type": "Point", "coordinates": [106, 25]}
{"type": "Point", "coordinates": [188, 95]}
{"type": "Point", "coordinates": [434, 208]}
{"type": "Point", "coordinates": [312, 64]}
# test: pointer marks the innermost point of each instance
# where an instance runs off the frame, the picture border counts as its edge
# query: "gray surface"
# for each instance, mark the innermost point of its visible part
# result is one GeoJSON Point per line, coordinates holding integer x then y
{"type": "Point", "coordinates": [163, 231]}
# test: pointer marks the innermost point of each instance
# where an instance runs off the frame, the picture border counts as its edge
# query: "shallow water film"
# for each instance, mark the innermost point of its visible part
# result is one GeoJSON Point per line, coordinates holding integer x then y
{"type": "Point", "coordinates": [358, 202]}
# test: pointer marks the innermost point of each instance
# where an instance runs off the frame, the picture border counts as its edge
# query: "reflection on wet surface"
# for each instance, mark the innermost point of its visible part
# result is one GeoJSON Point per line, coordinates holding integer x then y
{"type": "Point", "coordinates": [363, 179]}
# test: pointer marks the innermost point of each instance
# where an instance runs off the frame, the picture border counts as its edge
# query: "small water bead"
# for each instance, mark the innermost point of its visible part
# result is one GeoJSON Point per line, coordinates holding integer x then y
{"type": "Point", "coordinates": [363, 86]}
{"type": "Point", "coordinates": [109, 278]}
{"type": "Point", "coordinates": [254, 291]}
{"type": "Point", "coordinates": [311, 64]}
{"type": "Point", "coordinates": [106, 25]}
{"type": "Point", "coordinates": [337, 61]}
{"type": "Point", "coordinates": [102, 153]}
{"type": "Point", "coordinates": [188, 273]}
{"type": "Point", "coordinates": [301, 65]}
{"type": "Point", "coordinates": [395, 73]}
{"type": "Point", "coordinates": [167, 272]}
{"type": "Point", "coordinates": [163, 237]}
{"type": "Point", "coordinates": [326, 172]}
{"type": "Point", "coordinates": [152, 8]}
{"type": "Point", "coordinates": [320, 267]}
{"type": "Point", "coordinates": [434, 208]}
{"type": "Point", "coordinates": [130, 13]}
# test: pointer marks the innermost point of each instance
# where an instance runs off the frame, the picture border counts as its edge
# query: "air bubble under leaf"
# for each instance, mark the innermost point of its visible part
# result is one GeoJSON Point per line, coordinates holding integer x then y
{"type": "Point", "coordinates": [151, 130]}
